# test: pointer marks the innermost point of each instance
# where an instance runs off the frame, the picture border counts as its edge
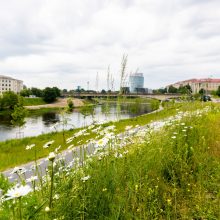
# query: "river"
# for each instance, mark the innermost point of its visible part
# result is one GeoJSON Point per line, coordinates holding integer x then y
{"type": "Point", "coordinates": [52, 120]}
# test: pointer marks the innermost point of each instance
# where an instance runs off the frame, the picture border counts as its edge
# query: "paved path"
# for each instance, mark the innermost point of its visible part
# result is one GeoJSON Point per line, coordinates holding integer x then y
{"type": "Point", "coordinates": [71, 155]}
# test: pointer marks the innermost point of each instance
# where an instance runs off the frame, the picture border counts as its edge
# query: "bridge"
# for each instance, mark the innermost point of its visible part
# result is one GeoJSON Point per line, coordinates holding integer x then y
{"type": "Point", "coordinates": [161, 97]}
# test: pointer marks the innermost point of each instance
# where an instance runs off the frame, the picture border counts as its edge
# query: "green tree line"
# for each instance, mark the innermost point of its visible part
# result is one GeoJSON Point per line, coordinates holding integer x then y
{"type": "Point", "coordinates": [8, 100]}
{"type": "Point", "coordinates": [48, 94]}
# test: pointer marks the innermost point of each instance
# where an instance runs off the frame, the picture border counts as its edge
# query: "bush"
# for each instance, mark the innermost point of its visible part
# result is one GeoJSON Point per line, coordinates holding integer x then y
{"type": "Point", "coordinates": [70, 104]}
{"type": "Point", "coordinates": [8, 100]}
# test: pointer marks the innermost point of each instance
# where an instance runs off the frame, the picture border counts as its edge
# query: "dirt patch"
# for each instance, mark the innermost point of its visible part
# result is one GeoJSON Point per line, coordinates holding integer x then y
{"type": "Point", "coordinates": [60, 103]}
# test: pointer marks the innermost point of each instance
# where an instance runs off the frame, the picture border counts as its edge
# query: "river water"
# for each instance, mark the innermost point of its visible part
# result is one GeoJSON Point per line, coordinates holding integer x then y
{"type": "Point", "coordinates": [53, 120]}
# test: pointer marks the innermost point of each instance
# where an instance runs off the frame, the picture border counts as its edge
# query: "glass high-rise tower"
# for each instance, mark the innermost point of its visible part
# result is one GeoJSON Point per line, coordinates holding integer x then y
{"type": "Point", "coordinates": [136, 82]}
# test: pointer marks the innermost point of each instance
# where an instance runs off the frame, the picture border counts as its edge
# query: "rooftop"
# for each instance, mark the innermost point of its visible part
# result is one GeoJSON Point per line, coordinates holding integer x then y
{"type": "Point", "coordinates": [8, 77]}
{"type": "Point", "coordinates": [206, 80]}
{"type": "Point", "coordinates": [137, 74]}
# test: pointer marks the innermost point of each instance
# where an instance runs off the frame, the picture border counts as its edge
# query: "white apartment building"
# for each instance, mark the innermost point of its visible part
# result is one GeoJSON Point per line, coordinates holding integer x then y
{"type": "Point", "coordinates": [207, 84]}
{"type": "Point", "coordinates": [9, 84]}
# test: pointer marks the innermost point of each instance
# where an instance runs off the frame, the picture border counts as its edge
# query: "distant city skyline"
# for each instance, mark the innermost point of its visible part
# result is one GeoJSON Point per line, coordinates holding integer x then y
{"type": "Point", "coordinates": [65, 43]}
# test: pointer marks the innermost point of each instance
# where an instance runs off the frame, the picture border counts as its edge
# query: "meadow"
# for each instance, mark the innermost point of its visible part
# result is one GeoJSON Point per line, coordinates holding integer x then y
{"type": "Point", "coordinates": [160, 171]}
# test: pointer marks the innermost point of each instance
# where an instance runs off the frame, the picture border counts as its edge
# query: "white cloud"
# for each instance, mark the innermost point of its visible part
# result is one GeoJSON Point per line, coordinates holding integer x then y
{"type": "Point", "coordinates": [65, 43]}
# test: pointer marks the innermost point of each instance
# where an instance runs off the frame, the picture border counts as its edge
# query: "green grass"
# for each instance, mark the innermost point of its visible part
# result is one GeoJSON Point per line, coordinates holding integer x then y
{"type": "Point", "coordinates": [33, 101]}
{"type": "Point", "coordinates": [173, 173]}
{"type": "Point", "coordinates": [41, 111]}
{"type": "Point", "coordinates": [126, 99]}
{"type": "Point", "coordinates": [13, 153]}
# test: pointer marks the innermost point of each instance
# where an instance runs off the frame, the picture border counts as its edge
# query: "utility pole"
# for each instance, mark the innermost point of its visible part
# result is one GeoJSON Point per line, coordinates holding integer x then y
{"type": "Point", "coordinates": [97, 82]}
{"type": "Point", "coordinates": [112, 83]}
{"type": "Point", "coordinates": [87, 85]}
{"type": "Point", "coordinates": [108, 79]}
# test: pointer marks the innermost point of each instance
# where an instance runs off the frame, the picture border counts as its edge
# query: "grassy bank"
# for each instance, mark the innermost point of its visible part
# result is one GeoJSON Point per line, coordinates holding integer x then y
{"type": "Point", "coordinates": [13, 152]}
{"type": "Point", "coordinates": [33, 101]}
{"type": "Point", "coordinates": [126, 100]}
{"type": "Point", "coordinates": [41, 111]}
{"type": "Point", "coordinates": [30, 102]}
{"type": "Point", "coordinates": [31, 112]}
{"type": "Point", "coordinates": [173, 173]}
{"type": "Point", "coordinates": [154, 103]}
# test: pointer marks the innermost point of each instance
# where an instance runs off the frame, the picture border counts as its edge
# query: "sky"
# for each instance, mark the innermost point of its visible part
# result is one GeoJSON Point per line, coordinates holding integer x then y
{"type": "Point", "coordinates": [65, 43]}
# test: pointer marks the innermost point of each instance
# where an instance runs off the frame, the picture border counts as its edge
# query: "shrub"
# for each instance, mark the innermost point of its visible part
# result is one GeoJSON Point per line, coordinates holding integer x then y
{"type": "Point", "coordinates": [70, 104]}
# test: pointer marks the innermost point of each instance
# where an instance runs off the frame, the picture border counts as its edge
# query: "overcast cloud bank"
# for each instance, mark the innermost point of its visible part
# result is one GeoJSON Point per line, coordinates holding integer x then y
{"type": "Point", "coordinates": [65, 43]}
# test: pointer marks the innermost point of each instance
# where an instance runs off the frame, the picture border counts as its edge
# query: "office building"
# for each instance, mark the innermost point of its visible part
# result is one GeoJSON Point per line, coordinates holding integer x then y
{"type": "Point", "coordinates": [136, 82]}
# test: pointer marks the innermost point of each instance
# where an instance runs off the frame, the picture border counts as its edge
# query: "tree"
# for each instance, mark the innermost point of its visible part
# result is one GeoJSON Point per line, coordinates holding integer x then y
{"type": "Point", "coordinates": [25, 92]}
{"type": "Point", "coordinates": [218, 91]}
{"type": "Point", "coordinates": [49, 94]}
{"type": "Point", "coordinates": [33, 91]}
{"type": "Point", "coordinates": [82, 90]}
{"type": "Point", "coordinates": [103, 91]}
{"type": "Point", "coordinates": [58, 92]}
{"type": "Point", "coordinates": [185, 89]}
{"type": "Point", "coordinates": [172, 89]}
{"type": "Point", "coordinates": [189, 88]}
{"type": "Point", "coordinates": [160, 91]}
{"type": "Point", "coordinates": [202, 91]}
{"type": "Point", "coordinates": [9, 100]}
{"type": "Point", "coordinates": [37, 92]}
{"type": "Point", "coordinates": [18, 115]}
{"type": "Point", "coordinates": [1, 103]}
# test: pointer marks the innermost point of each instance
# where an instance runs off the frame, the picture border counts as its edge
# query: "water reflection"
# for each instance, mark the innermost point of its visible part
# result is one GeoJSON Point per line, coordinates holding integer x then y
{"type": "Point", "coordinates": [39, 124]}
{"type": "Point", "coordinates": [50, 118]}
{"type": "Point", "coordinates": [5, 119]}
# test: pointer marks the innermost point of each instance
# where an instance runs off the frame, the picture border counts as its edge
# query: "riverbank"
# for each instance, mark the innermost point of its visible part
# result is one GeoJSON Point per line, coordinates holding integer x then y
{"type": "Point", "coordinates": [38, 106]}
{"type": "Point", "coordinates": [134, 100]}
{"type": "Point", "coordinates": [60, 103]}
{"type": "Point", "coordinates": [159, 172]}
{"type": "Point", "coordinates": [13, 152]}
{"type": "Point", "coordinates": [46, 120]}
